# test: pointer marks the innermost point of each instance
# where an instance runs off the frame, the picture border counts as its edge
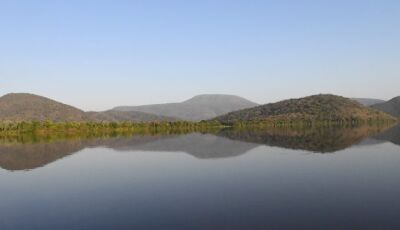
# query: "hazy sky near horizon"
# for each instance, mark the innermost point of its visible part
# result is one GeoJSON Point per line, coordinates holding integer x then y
{"type": "Point", "coordinates": [99, 54]}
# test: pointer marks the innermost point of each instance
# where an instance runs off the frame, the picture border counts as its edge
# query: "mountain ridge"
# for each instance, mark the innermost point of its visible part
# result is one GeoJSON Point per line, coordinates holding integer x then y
{"type": "Point", "coordinates": [18, 107]}
{"type": "Point", "coordinates": [368, 101]}
{"type": "Point", "coordinates": [197, 108]}
{"type": "Point", "coordinates": [391, 107]}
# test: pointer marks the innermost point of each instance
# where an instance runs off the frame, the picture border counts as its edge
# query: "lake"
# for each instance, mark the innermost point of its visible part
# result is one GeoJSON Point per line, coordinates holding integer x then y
{"type": "Point", "coordinates": [336, 178]}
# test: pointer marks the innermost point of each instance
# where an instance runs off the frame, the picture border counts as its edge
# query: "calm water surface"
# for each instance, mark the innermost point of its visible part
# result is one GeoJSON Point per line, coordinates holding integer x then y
{"type": "Point", "coordinates": [287, 179]}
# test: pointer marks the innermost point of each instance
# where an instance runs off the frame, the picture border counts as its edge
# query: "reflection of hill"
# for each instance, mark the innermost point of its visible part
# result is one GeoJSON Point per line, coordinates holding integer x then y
{"type": "Point", "coordinates": [19, 156]}
{"type": "Point", "coordinates": [227, 143]}
{"type": "Point", "coordinates": [391, 135]}
{"type": "Point", "coordinates": [30, 156]}
{"type": "Point", "coordinates": [196, 144]}
{"type": "Point", "coordinates": [316, 140]}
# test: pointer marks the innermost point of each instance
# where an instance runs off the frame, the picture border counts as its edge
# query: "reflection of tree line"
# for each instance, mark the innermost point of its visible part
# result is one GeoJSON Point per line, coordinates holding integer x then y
{"type": "Point", "coordinates": [316, 139]}
{"type": "Point", "coordinates": [19, 156]}
{"type": "Point", "coordinates": [29, 152]}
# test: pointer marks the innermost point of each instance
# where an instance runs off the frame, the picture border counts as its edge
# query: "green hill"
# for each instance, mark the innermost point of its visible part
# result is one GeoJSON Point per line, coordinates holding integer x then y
{"type": "Point", "coordinates": [18, 107]}
{"type": "Point", "coordinates": [323, 107]}
{"type": "Point", "coordinates": [27, 107]}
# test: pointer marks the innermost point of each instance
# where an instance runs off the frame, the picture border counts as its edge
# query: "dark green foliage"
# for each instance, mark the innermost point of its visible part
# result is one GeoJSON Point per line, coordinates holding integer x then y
{"type": "Point", "coordinates": [308, 110]}
{"type": "Point", "coordinates": [95, 128]}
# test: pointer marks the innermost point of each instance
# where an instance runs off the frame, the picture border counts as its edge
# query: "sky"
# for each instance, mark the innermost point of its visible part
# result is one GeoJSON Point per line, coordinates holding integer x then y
{"type": "Point", "coordinates": [99, 54]}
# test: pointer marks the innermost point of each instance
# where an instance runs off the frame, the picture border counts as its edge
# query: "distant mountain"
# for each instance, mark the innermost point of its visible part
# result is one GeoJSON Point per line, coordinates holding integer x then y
{"type": "Point", "coordinates": [368, 101]}
{"type": "Point", "coordinates": [318, 107]}
{"type": "Point", "coordinates": [201, 107]}
{"type": "Point", "coordinates": [391, 107]}
{"type": "Point", "coordinates": [119, 116]}
{"type": "Point", "coordinates": [29, 107]}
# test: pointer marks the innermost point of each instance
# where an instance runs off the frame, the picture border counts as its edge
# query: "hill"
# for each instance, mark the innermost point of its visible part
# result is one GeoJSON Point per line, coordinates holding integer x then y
{"type": "Point", "coordinates": [201, 107]}
{"type": "Point", "coordinates": [391, 107]}
{"type": "Point", "coordinates": [17, 107]}
{"type": "Point", "coordinates": [368, 101]}
{"type": "Point", "coordinates": [28, 107]}
{"type": "Point", "coordinates": [313, 108]}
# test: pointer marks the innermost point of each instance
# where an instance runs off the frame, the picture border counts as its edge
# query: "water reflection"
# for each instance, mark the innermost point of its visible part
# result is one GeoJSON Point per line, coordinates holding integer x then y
{"type": "Point", "coordinates": [28, 153]}
{"type": "Point", "coordinates": [319, 140]}
{"type": "Point", "coordinates": [18, 156]}
{"type": "Point", "coordinates": [26, 156]}
{"type": "Point", "coordinates": [391, 135]}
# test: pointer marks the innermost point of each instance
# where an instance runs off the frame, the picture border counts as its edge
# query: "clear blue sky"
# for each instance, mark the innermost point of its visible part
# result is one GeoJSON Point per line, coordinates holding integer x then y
{"type": "Point", "coordinates": [98, 54]}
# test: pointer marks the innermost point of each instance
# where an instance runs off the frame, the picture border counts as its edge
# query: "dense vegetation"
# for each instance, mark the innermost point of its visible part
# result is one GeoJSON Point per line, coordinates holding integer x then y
{"type": "Point", "coordinates": [99, 128]}
{"type": "Point", "coordinates": [321, 109]}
